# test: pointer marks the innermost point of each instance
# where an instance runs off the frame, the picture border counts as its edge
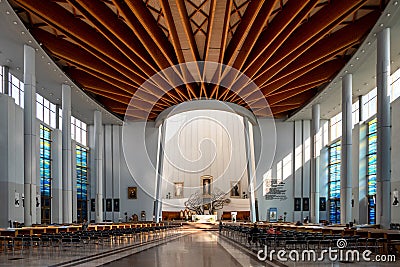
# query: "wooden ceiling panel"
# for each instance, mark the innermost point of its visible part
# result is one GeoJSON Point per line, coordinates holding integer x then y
{"type": "Point", "coordinates": [290, 49]}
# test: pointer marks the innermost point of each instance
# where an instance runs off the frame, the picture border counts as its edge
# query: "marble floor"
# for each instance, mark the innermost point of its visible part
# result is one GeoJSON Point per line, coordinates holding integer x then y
{"type": "Point", "coordinates": [186, 247]}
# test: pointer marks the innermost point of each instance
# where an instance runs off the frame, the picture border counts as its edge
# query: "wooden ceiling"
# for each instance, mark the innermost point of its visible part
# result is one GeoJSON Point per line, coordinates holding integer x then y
{"type": "Point", "coordinates": [290, 49]}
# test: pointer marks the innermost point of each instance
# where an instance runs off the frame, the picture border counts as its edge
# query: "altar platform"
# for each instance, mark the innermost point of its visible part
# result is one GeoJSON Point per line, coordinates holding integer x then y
{"type": "Point", "coordinates": [204, 218]}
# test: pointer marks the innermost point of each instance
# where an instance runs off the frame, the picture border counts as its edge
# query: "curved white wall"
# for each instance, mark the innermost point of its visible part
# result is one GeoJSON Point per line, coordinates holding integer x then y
{"type": "Point", "coordinates": [204, 142]}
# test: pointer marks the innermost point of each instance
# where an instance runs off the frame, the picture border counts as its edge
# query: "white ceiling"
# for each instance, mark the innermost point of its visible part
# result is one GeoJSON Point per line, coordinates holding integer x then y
{"type": "Point", "coordinates": [362, 66]}
{"type": "Point", "coordinates": [49, 77]}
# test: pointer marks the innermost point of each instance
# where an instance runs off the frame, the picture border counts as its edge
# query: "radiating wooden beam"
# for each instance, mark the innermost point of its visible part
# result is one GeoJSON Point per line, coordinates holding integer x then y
{"type": "Point", "coordinates": [185, 24]}
{"type": "Point", "coordinates": [78, 30]}
{"type": "Point", "coordinates": [242, 31]}
{"type": "Point", "coordinates": [79, 56]}
{"type": "Point", "coordinates": [177, 46]}
{"type": "Point", "coordinates": [218, 27]}
{"type": "Point", "coordinates": [293, 11]}
{"type": "Point", "coordinates": [255, 30]}
{"type": "Point", "coordinates": [117, 32]}
{"type": "Point", "coordinates": [288, 94]}
{"type": "Point", "coordinates": [310, 33]}
{"type": "Point", "coordinates": [147, 40]}
{"type": "Point", "coordinates": [330, 45]}
{"type": "Point", "coordinates": [324, 71]}
{"type": "Point", "coordinates": [150, 24]}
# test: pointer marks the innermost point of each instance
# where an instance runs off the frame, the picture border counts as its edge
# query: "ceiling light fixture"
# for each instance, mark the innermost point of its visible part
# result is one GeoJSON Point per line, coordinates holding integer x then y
{"type": "Point", "coordinates": [15, 23]}
{"type": "Point", "coordinates": [381, 25]}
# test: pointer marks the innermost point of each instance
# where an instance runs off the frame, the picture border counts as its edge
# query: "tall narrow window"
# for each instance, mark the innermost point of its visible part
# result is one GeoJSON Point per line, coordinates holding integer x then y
{"type": "Point", "coordinates": [334, 182]}
{"type": "Point", "coordinates": [371, 171]}
{"type": "Point", "coordinates": [45, 173]}
{"type": "Point", "coordinates": [81, 182]}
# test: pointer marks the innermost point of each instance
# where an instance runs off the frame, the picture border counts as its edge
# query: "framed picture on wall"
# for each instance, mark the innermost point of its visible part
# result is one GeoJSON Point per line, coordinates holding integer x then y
{"type": "Point", "coordinates": [322, 203]}
{"type": "Point", "coordinates": [178, 189]}
{"type": "Point", "coordinates": [93, 205]}
{"type": "Point", "coordinates": [116, 204]}
{"type": "Point", "coordinates": [235, 189]}
{"type": "Point", "coordinates": [306, 204]}
{"type": "Point", "coordinates": [273, 215]}
{"type": "Point", "coordinates": [108, 204]}
{"type": "Point", "coordinates": [206, 181]}
{"type": "Point", "coordinates": [297, 204]}
{"type": "Point", "coordinates": [132, 192]}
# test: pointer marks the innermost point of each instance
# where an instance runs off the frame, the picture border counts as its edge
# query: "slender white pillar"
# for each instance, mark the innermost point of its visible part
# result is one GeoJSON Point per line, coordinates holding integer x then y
{"type": "Point", "coordinates": [383, 204]}
{"type": "Point", "coordinates": [31, 145]}
{"type": "Point", "coordinates": [98, 158]}
{"type": "Point", "coordinates": [6, 84]}
{"type": "Point", "coordinates": [314, 154]}
{"type": "Point", "coordinates": [160, 161]}
{"type": "Point", "coordinates": [250, 170]}
{"type": "Point", "coordinates": [345, 166]}
{"type": "Point", "coordinates": [66, 154]}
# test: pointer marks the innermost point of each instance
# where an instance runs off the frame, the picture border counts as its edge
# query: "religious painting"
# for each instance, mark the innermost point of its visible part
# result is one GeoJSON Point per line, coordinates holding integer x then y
{"type": "Point", "coordinates": [306, 204]}
{"type": "Point", "coordinates": [16, 200]}
{"type": "Point", "coordinates": [132, 192]}
{"type": "Point", "coordinates": [108, 204]}
{"type": "Point", "coordinates": [395, 198]}
{"type": "Point", "coordinates": [178, 189]}
{"type": "Point", "coordinates": [235, 189]}
{"type": "Point", "coordinates": [93, 205]}
{"type": "Point", "coordinates": [297, 204]}
{"type": "Point", "coordinates": [116, 205]}
{"type": "Point", "coordinates": [322, 204]}
{"type": "Point", "coordinates": [206, 181]}
{"type": "Point", "coordinates": [273, 215]}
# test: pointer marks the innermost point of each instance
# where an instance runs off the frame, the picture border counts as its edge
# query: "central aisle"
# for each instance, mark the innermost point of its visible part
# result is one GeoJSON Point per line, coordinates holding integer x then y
{"type": "Point", "coordinates": [198, 249]}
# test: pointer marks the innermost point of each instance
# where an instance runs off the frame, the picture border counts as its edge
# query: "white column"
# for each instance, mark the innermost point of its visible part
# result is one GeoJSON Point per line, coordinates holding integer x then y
{"type": "Point", "coordinates": [159, 173]}
{"type": "Point", "coordinates": [314, 154]}
{"type": "Point", "coordinates": [383, 201]}
{"type": "Point", "coordinates": [346, 154]}
{"type": "Point", "coordinates": [250, 170]}
{"type": "Point", "coordinates": [30, 144]}
{"type": "Point", "coordinates": [66, 154]}
{"type": "Point", "coordinates": [98, 158]}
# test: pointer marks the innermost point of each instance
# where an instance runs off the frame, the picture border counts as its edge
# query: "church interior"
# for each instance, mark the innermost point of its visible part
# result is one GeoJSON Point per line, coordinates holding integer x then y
{"type": "Point", "coordinates": [199, 132]}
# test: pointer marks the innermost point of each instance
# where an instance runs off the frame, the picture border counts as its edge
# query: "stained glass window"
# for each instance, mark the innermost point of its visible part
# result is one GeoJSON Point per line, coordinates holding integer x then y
{"type": "Point", "coordinates": [334, 182]}
{"type": "Point", "coordinates": [45, 173]}
{"type": "Point", "coordinates": [81, 182]}
{"type": "Point", "coordinates": [371, 170]}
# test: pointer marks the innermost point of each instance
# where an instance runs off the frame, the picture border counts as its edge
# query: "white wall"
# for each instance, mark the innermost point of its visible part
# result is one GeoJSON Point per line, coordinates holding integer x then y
{"type": "Point", "coordinates": [291, 165]}
{"type": "Point", "coordinates": [118, 177]}
{"type": "Point", "coordinates": [11, 160]}
{"type": "Point", "coordinates": [204, 143]}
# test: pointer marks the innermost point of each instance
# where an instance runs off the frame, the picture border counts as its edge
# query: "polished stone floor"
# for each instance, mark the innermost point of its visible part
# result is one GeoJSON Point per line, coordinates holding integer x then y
{"type": "Point", "coordinates": [195, 250]}
{"type": "Point", "coordinates": [186, 247]}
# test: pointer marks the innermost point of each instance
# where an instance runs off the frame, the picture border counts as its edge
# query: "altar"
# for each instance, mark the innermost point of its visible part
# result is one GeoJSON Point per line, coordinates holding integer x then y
{"type": "Point", "coordinates": [204, 218]}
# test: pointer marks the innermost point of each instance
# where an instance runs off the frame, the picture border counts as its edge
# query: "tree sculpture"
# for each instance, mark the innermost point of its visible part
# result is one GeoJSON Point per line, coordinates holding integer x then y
{"type": "Point", "coordinates": [217, 200]}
